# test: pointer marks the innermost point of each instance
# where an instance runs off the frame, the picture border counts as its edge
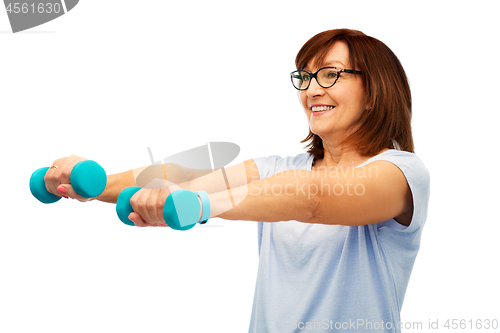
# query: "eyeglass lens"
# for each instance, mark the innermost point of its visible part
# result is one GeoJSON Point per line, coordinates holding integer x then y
{"type": "Point", "coordinates": [326, 78]}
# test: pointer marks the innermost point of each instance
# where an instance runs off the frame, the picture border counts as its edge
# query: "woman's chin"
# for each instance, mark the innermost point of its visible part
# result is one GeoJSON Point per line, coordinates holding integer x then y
{"type": "Point", "coordinates": [320, 130]}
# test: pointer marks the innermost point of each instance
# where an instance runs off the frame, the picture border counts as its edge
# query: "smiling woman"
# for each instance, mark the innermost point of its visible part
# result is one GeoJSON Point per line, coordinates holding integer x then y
{"type": "Point", "coordinates": [339, 227]}
{"type": "Point", "coordinates": [387, 120]}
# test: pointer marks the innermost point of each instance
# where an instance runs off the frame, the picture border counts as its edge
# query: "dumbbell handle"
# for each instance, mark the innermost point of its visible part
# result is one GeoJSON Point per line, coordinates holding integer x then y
{"type": "Point", "coordinates": [181, 210]}
{"type": "Point", "coordinates": [87, 178]}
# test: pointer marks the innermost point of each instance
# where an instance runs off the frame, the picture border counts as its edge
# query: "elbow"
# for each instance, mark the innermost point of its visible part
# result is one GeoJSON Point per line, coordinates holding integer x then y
{"type": "Point", "coordinates": [313, 204]}
{"type": "Point", "coordinates": [312, 212]}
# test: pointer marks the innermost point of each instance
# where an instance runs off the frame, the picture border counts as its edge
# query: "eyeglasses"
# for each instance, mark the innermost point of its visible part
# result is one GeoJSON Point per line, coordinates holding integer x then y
{"type": "Point", "coordinates": [326, 77]}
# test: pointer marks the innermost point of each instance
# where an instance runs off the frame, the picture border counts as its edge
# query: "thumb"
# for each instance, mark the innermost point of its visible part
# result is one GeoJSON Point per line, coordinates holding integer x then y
{"type": "Point", "coordinates": [138, 221]}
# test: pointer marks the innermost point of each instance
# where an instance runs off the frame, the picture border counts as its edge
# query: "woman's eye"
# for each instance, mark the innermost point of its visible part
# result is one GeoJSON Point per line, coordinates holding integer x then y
{"type": "Point", "coordinates": [301, 77]}
{"type": "Point", "coordinates": [331, 75]}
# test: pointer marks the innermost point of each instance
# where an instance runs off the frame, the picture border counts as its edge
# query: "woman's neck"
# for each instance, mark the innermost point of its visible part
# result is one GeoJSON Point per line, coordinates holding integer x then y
{"type": "Point", "coordinates": [338, 157]}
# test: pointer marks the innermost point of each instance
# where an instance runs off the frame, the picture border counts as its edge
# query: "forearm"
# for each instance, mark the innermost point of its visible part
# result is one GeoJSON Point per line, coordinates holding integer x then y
{"type": "Point", "coordinates": [283, 197]}
{"type": "Point", "coordinates": [142, 177]}
{"type": "Point", "coordinates": [115, 184]}
{"type": "Point", "coordinates": [179, 177]}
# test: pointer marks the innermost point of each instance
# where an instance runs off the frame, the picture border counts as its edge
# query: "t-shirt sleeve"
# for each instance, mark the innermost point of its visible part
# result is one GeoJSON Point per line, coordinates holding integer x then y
{"type": "Point", "coordinates": [418, 179]}
{"type": "Point", "coordinates": [266, 165]}
{"type": "Point", "coordinates": [271, 165]}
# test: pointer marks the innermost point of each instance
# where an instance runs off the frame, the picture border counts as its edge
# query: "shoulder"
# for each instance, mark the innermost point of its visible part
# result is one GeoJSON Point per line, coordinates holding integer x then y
{"type": "Point", "coordinates": [415, 174]}
{"type": "Point", "coordinates": [409, 163]}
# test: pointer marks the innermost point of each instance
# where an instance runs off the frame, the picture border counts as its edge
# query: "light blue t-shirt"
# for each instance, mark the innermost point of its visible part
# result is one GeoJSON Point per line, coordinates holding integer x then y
{"type": "Point", "coordinates": [316, 278]}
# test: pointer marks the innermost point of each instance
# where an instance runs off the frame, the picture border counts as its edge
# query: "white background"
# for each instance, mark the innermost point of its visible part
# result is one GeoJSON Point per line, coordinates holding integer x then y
{"type": "Point", "coordinates": [111, 78]}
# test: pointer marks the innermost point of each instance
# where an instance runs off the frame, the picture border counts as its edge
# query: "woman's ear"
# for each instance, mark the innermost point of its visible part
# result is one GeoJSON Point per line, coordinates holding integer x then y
{"type": "Point", "coordinates": [369, 104]}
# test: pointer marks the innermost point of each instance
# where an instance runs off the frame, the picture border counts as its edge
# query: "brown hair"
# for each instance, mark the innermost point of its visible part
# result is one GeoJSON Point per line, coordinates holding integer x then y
{"type": "Point", "coordinates": [387, 123]}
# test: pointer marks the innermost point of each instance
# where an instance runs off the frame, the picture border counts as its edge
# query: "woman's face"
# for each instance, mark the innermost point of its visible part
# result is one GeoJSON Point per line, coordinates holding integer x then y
{"type": "Point", "coordinates": [347, 97]}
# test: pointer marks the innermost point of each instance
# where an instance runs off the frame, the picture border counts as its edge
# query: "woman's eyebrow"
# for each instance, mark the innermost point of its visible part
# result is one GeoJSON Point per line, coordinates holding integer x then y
{"type": "Point", "coordinates": [334, 62]}
{"type": "Point", "coordinates": [327, 64]}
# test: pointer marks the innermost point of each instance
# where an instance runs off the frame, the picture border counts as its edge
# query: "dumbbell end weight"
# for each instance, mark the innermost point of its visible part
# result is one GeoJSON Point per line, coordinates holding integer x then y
{"type": "Point", "coordinates": [182, 210]}
{"type": "Point", "coordinates": [38, 189]}
{"type": "Point", "coordinates": [123, 206]}
{"type": "Point", "coordinates": [88, 179]}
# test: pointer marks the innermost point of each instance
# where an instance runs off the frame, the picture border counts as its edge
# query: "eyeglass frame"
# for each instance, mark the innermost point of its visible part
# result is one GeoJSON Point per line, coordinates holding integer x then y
{"type": "Point", "coordinates": [314, 76]}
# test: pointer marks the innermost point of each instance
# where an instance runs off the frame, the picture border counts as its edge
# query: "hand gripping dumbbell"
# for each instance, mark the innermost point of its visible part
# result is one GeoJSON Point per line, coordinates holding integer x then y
{"type": "Point", "coordinates": [87, 178]}
{"type": "Point", "coordinates": [181, 210]}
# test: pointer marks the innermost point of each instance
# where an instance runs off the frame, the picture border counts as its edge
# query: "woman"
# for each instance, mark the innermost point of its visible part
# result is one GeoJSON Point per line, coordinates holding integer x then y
{"type": "Point", "coordinates": [349, 213]}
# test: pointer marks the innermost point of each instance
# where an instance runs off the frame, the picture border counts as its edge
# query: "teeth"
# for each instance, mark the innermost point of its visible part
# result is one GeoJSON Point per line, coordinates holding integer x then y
{"type": "Point", "coordinates": [321, 108]}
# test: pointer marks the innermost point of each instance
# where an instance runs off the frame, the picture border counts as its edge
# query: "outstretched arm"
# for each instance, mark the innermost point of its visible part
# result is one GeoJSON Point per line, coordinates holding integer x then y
{"type": "Point", "coordinates": [374, 193]}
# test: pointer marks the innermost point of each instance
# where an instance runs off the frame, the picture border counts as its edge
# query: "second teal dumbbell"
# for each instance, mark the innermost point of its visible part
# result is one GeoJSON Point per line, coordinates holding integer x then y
{"type": "Point", "coordinates": [87, 178]}
{"type": "Point", "coordinates": [181, 210]}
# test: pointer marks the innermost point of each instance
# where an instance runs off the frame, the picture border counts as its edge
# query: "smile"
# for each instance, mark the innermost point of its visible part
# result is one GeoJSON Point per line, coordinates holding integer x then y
{"type": "Point", "coordinates": [321, 108]}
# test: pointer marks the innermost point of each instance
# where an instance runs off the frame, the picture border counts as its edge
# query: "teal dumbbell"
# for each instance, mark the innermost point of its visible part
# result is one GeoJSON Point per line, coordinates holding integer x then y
{"type": "Point", "coordinates": [181, 210]}
{"type": "Point", "coordinates": [88, 179]}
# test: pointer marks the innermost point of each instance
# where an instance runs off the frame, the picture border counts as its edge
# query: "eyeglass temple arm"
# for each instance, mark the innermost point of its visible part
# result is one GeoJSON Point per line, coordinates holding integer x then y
{"type": "Point", "coordinates": [350, 71]}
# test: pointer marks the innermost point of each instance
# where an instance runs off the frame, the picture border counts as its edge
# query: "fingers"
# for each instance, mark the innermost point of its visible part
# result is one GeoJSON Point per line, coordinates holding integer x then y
{"type": "Point", "coordinates": [67, 190]}
{"type": "Point", "coordinates": [59, 174]}
{"type": "Point", "coordinates": [148, 207]}
{"type": "Point", "coordinates": [161, 199]}
{"type": "Point", "coordinates": [52, 177]}
{"type": "Point", "coordinates": [56, 175]}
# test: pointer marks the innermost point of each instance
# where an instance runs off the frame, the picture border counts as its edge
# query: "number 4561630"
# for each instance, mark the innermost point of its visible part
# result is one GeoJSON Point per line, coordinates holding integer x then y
{"type": "Point", "coordinates": [40, 8]}
{"type": "Point", "coordinates": [478, 324]}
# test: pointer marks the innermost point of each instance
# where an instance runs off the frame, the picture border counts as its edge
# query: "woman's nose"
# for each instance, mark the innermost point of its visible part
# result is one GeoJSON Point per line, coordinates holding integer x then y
{"type": "Point", "coordinates": [315, 89]}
